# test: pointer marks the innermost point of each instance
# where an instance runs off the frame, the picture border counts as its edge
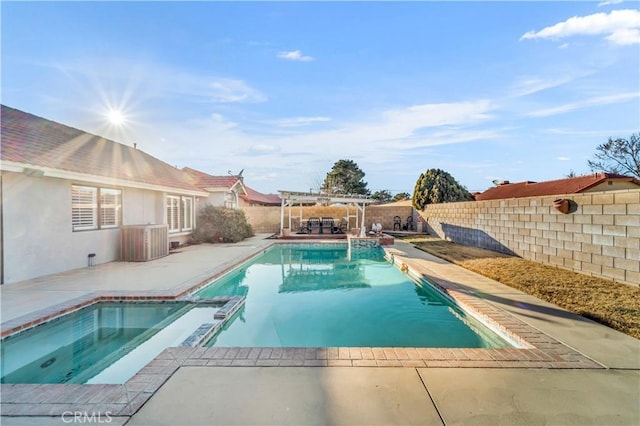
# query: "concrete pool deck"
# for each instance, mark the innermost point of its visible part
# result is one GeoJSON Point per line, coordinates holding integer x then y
{"type": "Point", "coordinates": [606, 391]}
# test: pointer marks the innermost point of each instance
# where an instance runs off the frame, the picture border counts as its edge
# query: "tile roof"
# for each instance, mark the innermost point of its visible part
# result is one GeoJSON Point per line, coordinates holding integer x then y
{"type": "Point", "coordinates": [258, 197]}
{"type": "Point", "coordinates": [204, 180]}
{"type": "Point", "coordinates": [553, 187]}
{"type": "Point", "coordinates": [35, 141]}
{"type": "Point", "coordinates": [207, 181]}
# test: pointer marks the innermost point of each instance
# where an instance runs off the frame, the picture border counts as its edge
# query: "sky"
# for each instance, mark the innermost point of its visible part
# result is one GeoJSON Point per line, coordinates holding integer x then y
{"type": "Point", "coordinates": [282, 90]}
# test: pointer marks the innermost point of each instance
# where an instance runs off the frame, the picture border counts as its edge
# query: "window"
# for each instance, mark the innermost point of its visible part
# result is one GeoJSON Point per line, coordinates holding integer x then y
{"type": "Point", "coordinates": [230, 200]}
{"type": "Point", "coordinates": [179, 213]}
{"type": "Point", "coordinates": [187, 213]}
{"type": "Point", "coordinates": [173, 213]}
{"type": "Point", "coordinates": [95, 208]}
{"type": "Point", "coordinates": [110, 208]}
{"type": "Point", "coordinates": [84, 208]}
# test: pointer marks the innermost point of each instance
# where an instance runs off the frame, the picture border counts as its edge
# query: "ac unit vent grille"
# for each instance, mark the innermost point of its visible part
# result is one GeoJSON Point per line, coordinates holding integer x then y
{"type": "Point", "coordinates": [141, 243]}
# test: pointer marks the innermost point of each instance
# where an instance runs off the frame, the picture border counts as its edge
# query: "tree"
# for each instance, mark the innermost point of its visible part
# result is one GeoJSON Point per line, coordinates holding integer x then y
{"type": "Point", "coordinates": [400, 196]}
{"type": "Point", "coordinates": [619, 156]}
{"type": "Point", "coordinates": [383, 196]}
{"type": "Point", "coordinates": [437, 186]}
{"type": "Point", "coordinates": [345, 177]}
{"type": "Point", "coordinates": [571, 174]}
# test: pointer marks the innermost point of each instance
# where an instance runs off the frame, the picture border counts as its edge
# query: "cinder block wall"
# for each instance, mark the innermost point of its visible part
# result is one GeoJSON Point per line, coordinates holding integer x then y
{"type": "Point", "coordinates": [384, 215]}
{"type": "Point", "coordinates": [600, 236]}
{"type": "Point", "coordinates": [267, 219]}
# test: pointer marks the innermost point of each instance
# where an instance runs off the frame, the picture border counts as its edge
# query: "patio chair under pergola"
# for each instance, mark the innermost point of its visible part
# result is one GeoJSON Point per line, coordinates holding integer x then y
{"type": "Point", "coordinates": [292, 198]}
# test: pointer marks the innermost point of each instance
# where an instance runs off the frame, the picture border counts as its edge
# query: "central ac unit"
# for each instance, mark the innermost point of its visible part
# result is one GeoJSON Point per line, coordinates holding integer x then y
{"type": "Point", "coordinates": [141, 243]}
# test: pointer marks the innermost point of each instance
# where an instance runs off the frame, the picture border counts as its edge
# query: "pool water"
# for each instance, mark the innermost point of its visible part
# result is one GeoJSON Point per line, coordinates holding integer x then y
{"type": "Point", "coordinates": [102, 343]}
{"type": "Point", "coordinates": [315, 296]}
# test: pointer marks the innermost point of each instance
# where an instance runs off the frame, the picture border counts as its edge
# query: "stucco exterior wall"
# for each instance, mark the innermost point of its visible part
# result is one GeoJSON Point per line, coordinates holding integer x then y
{"type": "Point", "coordinates": [600, 236]}
{"type": "Point", "coordinates": [142, 207]}
{"type": "Point", "coordinates": [38, 238]}
{"type": "Point", "coordinates": [215, 199]}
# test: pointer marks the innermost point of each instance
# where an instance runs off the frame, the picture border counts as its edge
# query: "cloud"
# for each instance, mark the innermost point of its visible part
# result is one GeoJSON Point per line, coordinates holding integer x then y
{"type": "Point", "coordinates": [625, 36]}
{"type": "Point", "coordinates": [563, 158]}
{"type": "Point", "coordinates": [620, 27]}
{"type": "Point", "coordinates": [275, 159]}
{"type": "Point", "coordinates": [600, 100]}
{"type": "Point", "coordinates": [572, 132]}
{"type": "Point", "coordinates": [299, 121]}
{"type": "Point", "coordinates": [221, 124]}
{"type": "Point", "coordinates": [227, 90]}
{"type": "Point", "coordinates": [263, 149]}
{"type": "Point", "coordinates": [406, 121]}
{"type": "Point", "coordinates": [295, 55]}
{"type": "Point", "coordinates": [609, 2]}
{"type": "Point", "coordinates": [529, 85]}
{"type": "Point", "coordinates": [138, 80]}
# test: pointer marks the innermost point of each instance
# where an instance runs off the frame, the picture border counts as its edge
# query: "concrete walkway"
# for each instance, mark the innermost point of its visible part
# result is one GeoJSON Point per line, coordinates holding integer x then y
{"type": "Point", "coordinates": [179, 271]}
{"type": "Point", "coordinates": [203, 395]}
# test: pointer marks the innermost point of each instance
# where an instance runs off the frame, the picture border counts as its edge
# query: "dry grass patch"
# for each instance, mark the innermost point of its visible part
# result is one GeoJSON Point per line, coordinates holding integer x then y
{"type": "Point", "coordinates": [607, 302]}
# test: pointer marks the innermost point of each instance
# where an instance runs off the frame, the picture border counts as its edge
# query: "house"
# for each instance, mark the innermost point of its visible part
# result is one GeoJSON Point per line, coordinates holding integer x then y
{"type": "Point", "coordinates": [66, 194]}
{"type": "Point", "coordinates": [229, 191]}
{"type": "Point", "coordinates": [253, 198]}
{"type": "Point", "coordinates": [588, 183]}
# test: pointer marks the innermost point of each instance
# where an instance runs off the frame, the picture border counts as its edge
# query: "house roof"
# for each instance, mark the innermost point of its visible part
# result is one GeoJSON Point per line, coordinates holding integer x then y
{"type": "Point", "coordinates": [210, 182]}
{"type": "Point", "coordinates": [553, 187]}
{"type": "Point", "coordinates": [207, 181]}
{"type": "Point", "coordinates": [32, 141]}
{"type": "Point", "coordinates": [258, 197]}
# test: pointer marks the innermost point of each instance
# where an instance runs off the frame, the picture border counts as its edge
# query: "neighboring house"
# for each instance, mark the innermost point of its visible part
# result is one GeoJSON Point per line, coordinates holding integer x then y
{"type": "Point", "coordinates": [66, 194]}
{"type": "Point", "coordinates": [588, 183]}
{"type": "Point", "coordinates": [229, 191]}
{"type": "Point", "coordinates": [254, 198]}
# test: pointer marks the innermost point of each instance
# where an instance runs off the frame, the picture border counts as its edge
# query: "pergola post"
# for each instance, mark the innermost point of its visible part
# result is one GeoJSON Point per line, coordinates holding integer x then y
{"type": "Point", "coordinates": [289, 198]}
{"type": "Point", "coordinates": [282, 218]}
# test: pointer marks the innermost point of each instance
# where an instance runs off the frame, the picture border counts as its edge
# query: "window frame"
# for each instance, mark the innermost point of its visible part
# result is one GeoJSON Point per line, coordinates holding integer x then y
{"type": "Point", "coordinates": [173, 201]}
{"type": "Point", "coordinates": [117, 208]}
{"type": "Point", "coordinates": [187, 213]}
{"type": "Point", "coordinates": [182, 213]}
{"type": "Point", "coordinates": [97, 203]}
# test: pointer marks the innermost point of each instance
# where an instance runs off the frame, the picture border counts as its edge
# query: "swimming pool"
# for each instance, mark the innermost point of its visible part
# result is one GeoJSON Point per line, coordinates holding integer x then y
{"type": "Point", "coordinates": [289, 296]}
{"type": "Point", "coordinates": [101, 343]}
{"type": "Point", "coordinates": [323, 296]}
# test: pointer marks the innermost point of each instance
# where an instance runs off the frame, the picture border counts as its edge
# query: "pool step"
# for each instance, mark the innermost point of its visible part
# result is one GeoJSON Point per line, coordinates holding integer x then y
{"type": "Point", "coordinates": [202, 334]}
{"type": "Point", "coordinates": [229, 308]}
{"type": "Point", "coordinates": [205, 331]}
{"type": "Point", "coordinates": [218, 300]}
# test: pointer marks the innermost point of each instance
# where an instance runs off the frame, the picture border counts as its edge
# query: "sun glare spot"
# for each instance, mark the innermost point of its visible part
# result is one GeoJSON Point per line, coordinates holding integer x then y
{"type": "Point", "coordinates": [116, 117]}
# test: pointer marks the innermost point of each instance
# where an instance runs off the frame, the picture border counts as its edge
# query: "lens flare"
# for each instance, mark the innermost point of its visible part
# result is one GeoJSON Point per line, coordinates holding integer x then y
{"type": "Point", "coordinates": [116, 117]}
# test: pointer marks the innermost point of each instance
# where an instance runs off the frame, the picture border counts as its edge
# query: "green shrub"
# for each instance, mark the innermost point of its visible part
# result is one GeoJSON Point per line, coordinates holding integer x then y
{"type": "Point", "coordinates": [221, 224]}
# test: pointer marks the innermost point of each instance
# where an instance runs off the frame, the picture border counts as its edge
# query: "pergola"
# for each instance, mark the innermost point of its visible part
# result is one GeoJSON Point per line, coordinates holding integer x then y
{"type": "Point", "coordinates": [292, 198]}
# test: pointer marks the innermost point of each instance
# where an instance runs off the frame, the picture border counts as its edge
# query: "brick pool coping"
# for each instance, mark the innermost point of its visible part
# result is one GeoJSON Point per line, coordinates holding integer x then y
{"type": "Point", "coordinates": [538, 351]}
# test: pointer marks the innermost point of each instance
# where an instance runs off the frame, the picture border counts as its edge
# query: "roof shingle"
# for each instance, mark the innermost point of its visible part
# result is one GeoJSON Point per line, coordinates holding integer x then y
{"type": "Point", "coordinates": [207, 181]}
{"type": "Point", "coordinates": [258, 197]}
{"type": "Point", "coordinates": [553, 187]}
{"type": "Point", "coordinates": [204, 180]}
{"type": "Point", "coordinates": [36, 141]}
